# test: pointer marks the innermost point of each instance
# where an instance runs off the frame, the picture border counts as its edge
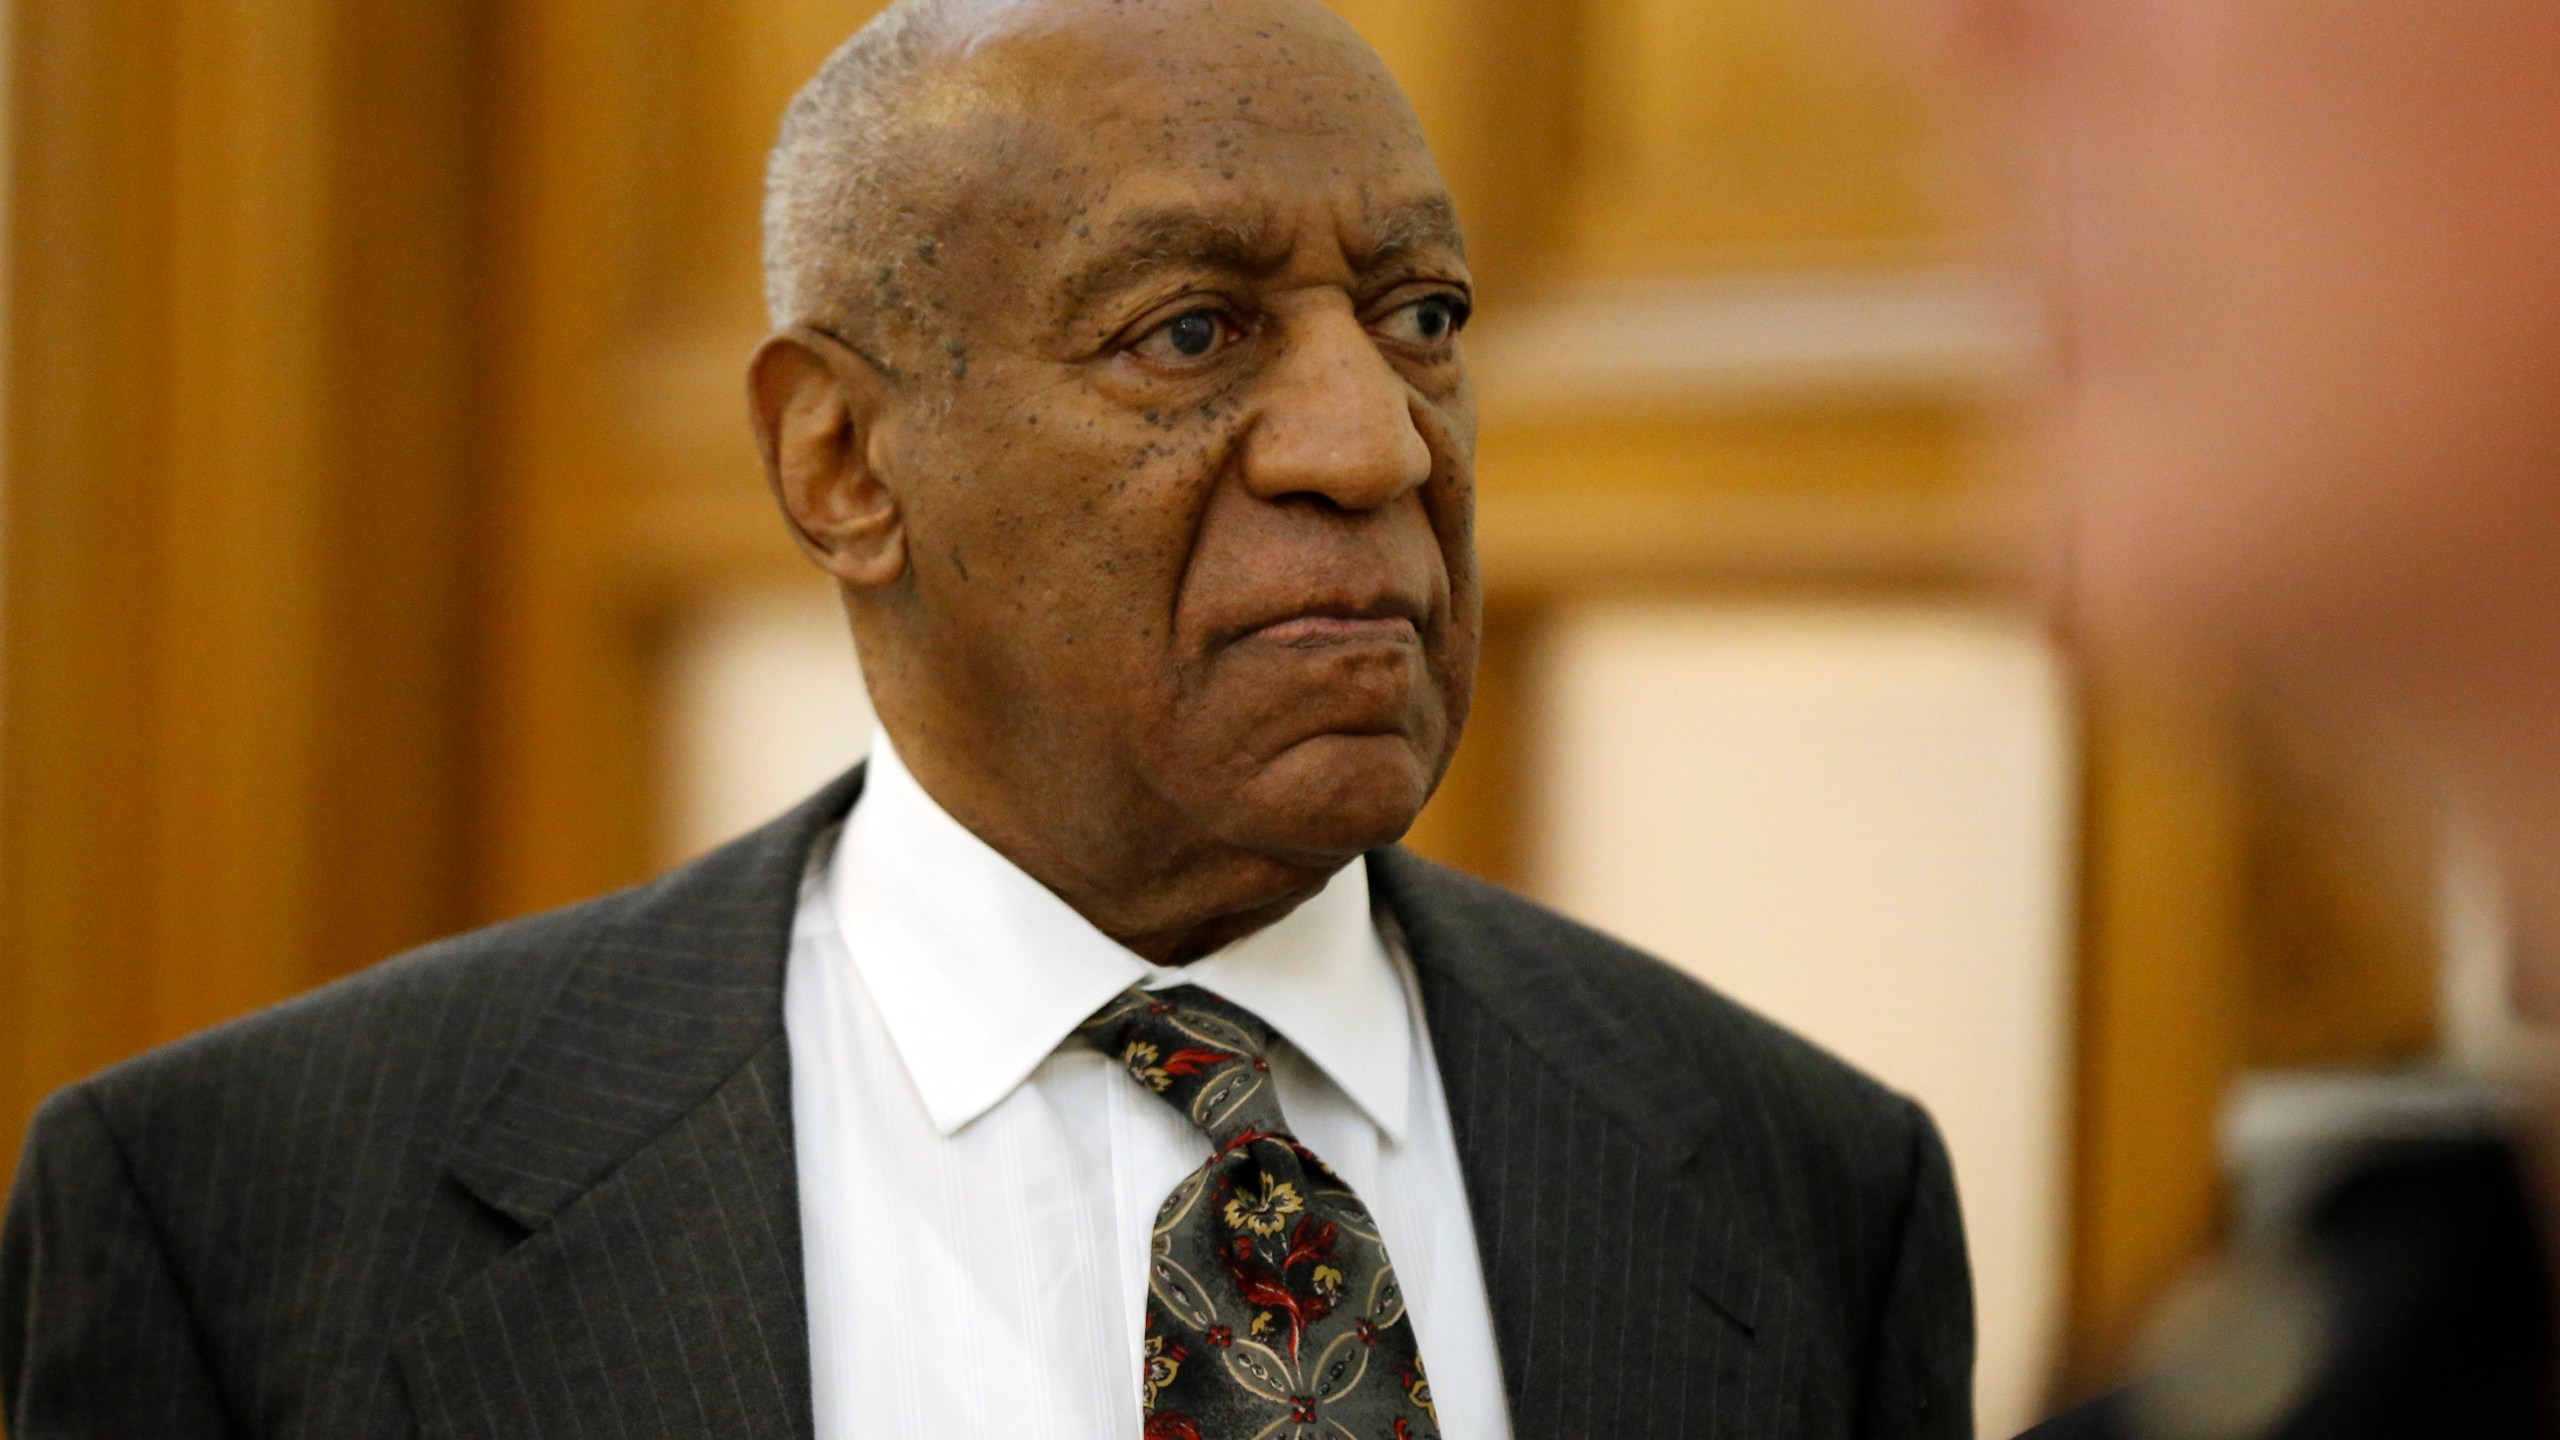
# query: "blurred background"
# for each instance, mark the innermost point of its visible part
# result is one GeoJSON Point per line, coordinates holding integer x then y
{"type": "Point", "coordinates": [384, 553]}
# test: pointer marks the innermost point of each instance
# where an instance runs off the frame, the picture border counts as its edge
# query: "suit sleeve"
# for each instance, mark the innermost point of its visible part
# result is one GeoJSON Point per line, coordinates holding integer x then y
{"type": "Point", "coordinates": [95, 1334]}
{"type": "Point", "coordinates": [1920, 1384]}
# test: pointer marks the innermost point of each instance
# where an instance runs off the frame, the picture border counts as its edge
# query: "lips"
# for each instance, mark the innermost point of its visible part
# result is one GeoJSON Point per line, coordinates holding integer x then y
{"type": "Point", "coordinates": [1384, 621]}
{"type": "Point", "coordinates": [1309, 630]}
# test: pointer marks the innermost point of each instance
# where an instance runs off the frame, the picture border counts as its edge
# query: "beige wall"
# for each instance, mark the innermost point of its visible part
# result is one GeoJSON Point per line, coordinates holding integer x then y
{"type": "Point", "coordinates": [764, 703]}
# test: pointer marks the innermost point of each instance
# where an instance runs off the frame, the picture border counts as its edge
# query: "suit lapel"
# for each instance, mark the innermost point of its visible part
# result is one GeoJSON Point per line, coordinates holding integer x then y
{"type": "Point", "coordinates": [1630, 1280]}
{"type": "Point", "coordinates": [642, 1140]}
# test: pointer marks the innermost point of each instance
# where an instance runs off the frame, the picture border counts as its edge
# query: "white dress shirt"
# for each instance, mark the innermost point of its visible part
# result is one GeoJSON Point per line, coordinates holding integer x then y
{"type": "Point", "coordinates": [977, 1186]}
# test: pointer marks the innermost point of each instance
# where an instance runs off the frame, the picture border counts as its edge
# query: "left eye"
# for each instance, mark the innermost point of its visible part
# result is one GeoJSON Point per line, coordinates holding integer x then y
{"type": "Point", "coordinates": [1192, 335]}
{"type": "Point", "coordinates": [1428, 321]}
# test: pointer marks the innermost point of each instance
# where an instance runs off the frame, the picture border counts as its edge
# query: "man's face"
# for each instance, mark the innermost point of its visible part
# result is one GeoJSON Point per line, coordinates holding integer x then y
{"type": "Point", "coordinates": [2306, 261]}
{"type": "Point", "coordinates": [1183, 443]}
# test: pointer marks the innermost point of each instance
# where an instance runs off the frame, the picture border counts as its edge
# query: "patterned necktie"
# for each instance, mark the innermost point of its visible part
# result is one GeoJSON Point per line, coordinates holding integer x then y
{"type": "Point", "coordinates": [1272, 1310]}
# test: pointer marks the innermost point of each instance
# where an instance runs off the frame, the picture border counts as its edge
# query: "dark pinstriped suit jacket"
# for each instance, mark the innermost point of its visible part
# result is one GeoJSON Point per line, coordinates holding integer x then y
{"type": "Point", "coordinates": [538, 1181]}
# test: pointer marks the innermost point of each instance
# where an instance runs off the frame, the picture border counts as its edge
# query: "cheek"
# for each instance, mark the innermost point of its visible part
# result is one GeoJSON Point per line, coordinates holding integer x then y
{"type": "Point", "coordinates": [1033, 518]}
{"type": "Point", "coordinates": [1448, 428]}
{"type": "Point", "coordinates": [1110, 540]}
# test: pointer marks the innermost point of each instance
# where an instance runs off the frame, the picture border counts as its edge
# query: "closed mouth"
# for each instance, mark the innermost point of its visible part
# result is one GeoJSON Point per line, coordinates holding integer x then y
{"type": "Point", "coordinates": [1312, 630]}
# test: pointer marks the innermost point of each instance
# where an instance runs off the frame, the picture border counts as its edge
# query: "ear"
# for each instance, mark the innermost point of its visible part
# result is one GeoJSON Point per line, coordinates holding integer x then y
{"type": "Point", "coordinates": [814, 401]}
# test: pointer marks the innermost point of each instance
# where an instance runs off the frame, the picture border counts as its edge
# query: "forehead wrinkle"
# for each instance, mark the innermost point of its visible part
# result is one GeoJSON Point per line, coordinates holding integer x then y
{"type": "Point", "coordinates": [1152, 241]}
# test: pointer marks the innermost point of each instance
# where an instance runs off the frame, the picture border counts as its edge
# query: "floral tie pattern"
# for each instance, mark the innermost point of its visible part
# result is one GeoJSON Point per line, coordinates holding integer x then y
{"type": "Point", "coordinates": [1272, 1310]}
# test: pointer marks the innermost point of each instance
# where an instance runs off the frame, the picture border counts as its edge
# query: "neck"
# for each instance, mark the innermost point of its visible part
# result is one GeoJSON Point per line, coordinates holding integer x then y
{"type": "Point", "coordinates": [1191, 939]}
{"type": "Point", "coordinates": [1136, 872]}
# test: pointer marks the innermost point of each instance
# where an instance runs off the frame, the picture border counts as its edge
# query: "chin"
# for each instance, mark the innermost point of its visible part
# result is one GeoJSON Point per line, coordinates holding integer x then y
{"type": "Point", "coordinates": [1333, 797]}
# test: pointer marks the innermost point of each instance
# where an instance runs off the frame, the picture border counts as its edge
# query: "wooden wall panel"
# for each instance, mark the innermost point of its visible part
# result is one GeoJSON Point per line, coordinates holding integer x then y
{"type": "Point", "coordinates": [1750, 132]}
{"type": "Point", "coordinates": [240, 550]}
{"type": "Point", "coordinates": [566, 744]}
{"type": "Point", "coordinates": [235, 675]}
{"type": "Point", "coordinates": [2163, 988]}
{"type": "Point", "coordinates": [78, 746]}
{"type": "Point", "coordinates": [395, 789]}
{"type": "Point", "coordinates": [1498, 86]}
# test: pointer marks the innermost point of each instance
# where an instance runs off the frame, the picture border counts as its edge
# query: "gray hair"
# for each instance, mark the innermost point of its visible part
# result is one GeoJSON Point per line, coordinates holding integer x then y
{"type": "Point", "coordinates": [838, 192]}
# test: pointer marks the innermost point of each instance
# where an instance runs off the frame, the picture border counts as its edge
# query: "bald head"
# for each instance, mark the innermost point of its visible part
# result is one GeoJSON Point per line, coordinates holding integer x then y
{"type": "Point", "coordinates": [936, 103]}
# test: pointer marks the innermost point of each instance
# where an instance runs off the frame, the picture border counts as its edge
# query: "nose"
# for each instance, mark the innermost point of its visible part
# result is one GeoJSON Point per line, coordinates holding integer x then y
{"type": "Point", "coordinates": [1334, 419]}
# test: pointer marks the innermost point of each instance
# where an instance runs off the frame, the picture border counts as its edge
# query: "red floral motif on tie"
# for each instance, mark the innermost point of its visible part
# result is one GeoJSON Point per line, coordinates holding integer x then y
{"type": "Point", "coordinates": [1272, 1308]}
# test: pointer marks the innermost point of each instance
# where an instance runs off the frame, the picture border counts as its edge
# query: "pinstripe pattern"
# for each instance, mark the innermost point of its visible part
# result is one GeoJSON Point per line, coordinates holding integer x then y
{"type": "Point", "coordinates": [665, 1300]}
{"type": "Point", "coordinates": [538, 1182]}
{"type": "Point", "coordinates": [1692, 1222]}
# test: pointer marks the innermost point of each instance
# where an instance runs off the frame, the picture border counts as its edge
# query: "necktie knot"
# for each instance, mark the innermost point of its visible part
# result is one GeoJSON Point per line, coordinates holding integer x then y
{"type": "Point", "coordinates": [1205, 1057]}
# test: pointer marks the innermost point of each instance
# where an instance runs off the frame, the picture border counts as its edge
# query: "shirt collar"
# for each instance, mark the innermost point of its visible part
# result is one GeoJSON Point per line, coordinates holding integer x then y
{"type": "Point", "coordinates": [979, 972]}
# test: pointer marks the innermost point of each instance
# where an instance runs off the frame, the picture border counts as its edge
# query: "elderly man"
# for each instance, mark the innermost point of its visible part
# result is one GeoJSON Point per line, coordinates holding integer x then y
{"type": "Point", "coordinates": [1089, 1063]}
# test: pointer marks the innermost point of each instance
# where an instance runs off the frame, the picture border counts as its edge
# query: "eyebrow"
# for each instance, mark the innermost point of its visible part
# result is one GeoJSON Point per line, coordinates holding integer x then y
{"type": "Point", "coordinates": [1185, 237]}
{"type": "Point", "coordinates": [1179, 237]}
{"type": "Point", "coordinates": [1429, 223]}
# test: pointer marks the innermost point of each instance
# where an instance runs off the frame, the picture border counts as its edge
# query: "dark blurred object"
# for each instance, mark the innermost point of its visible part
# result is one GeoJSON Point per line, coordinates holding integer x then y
{"type": "Point", "coordinates": [2410, 1299]}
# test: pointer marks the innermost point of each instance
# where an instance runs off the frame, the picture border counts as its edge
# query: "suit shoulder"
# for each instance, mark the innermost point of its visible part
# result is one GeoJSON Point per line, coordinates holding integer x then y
{"type": "Point", "coordinates": [413, 1042]}
{"type": "Point", "coordinates": [1791, 1086]}
{"type": "Point", "coordinates": [457, 1005]}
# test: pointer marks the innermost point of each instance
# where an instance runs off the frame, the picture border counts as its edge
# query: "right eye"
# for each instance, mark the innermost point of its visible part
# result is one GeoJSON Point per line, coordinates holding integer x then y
{"type": "Point", "coordinates": [1189, 337]}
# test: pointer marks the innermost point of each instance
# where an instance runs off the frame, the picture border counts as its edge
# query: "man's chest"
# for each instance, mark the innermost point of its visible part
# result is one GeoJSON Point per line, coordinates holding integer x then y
{"type": "Point", "coordinates": [994, 1280]}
